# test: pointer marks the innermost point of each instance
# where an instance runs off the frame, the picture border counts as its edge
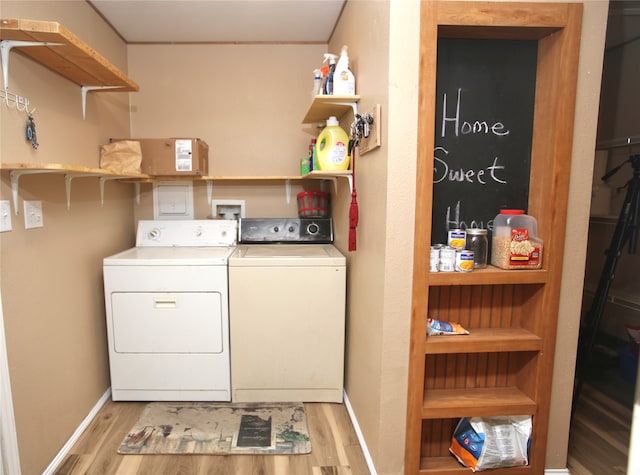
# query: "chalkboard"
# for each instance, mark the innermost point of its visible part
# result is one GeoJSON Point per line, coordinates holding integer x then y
{"type": "Point", "coordinates": [485, 92]}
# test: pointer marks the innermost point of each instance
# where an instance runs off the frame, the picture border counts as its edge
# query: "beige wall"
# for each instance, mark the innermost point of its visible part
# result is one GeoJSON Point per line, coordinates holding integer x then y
{"type": "Point", "coordinates": [247, 103]}
{"type": "Point", "coordinates": [51, 278]}
{"type": "Point", "coordinates": [383, 47]}
{"type": "Point", "coordinates": [586, 118]}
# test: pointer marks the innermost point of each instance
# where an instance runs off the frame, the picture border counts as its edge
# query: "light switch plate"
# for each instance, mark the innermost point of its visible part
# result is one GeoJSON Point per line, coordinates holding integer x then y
{"type": "Point", "coordinates": [33, 214]}
{"type": "Point", "coordinates": [5, 216]}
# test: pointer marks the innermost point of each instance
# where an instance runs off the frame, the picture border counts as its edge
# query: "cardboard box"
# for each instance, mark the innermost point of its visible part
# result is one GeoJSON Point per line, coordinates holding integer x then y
{"type": "Point", "coordinates": [174, 156]}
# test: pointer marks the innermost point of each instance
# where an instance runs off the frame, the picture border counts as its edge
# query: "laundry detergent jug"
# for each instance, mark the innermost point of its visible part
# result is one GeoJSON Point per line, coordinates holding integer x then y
{"type": "Point", "coordinates": [332, 147]}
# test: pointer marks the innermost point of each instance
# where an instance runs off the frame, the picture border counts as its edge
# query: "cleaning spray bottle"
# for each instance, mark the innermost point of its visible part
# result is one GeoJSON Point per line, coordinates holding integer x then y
{"type": "Point", "coordinates": [328, 85]}
{"type": "Point", "coordinates": [332, 147]}
{"type": "Point", "coordinates": [343, 81]}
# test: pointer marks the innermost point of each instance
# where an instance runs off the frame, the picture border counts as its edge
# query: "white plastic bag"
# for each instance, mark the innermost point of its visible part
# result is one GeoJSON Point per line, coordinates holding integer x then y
{"type": "Point", "coordinates": [483, 443]}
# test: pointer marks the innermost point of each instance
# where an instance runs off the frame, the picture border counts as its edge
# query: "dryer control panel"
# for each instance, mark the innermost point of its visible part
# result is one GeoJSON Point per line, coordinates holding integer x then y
{"type": "Point", "coordinates": [186, 233]}
{"type": "Point", "coordinates": [286, 230]}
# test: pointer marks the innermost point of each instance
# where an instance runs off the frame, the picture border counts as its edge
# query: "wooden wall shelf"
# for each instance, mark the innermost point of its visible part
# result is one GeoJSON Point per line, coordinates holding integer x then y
{"type": "Point", "coordinates": [488, 276]}
{"type": "Point", "coordinates": [71, 172]}
{"type": "Point", "coordinates": [71, 58]}
{"type": "Point", "coordinates": [322, 107]}
{"type": "Point", "coordinates": [448, 403]}
{"type": "Point", "coordinates": [484, 340]}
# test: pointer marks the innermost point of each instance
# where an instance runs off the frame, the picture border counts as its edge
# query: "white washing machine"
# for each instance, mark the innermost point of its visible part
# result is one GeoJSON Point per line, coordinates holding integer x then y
{"type": "Point", "coordinates": [167, 312]}
{"type": "Point", "coordinates": [287, 287]}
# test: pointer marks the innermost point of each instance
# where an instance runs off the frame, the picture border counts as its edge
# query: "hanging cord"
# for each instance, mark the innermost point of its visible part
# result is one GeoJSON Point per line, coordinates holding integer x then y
{"type": "Point", "coordinates": [359, 129]}
{"type": "Point", "coordinates": [353, 208]}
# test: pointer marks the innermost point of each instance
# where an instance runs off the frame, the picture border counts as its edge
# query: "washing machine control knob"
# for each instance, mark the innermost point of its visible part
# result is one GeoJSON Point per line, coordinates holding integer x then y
{"type": "Point", "coordinates": [276, 229]}
{"type": "Point", "coordinates": [154, 234]}
{"type": "Point", "coordinates": [292, 229]}
{"type": "Point", "coordinates": [313, 228]}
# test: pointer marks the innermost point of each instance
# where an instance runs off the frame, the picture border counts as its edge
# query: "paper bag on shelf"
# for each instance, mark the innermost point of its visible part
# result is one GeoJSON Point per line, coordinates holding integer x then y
{"type": "Point", "coordinates": [123, 156]}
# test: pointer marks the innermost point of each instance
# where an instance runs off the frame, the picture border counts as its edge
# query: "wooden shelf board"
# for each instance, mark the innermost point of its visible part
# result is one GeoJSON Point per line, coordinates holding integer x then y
{"type": "Point", "coordinates": [489, 276]}
{"type": "Point", "coordinates": [71, 169]}
{"type": "Point", "coordinates": [67, 169]}
{"type": "Point", "coordinates": [327, 173]}
{"type": "Point", "coordinates": [223, 178]}
{"type": "Point", "coordinates": [450, 466]}
{"type": "Point", "coordinates": [450, 403]}
{"type": "Point", "coordinates": [323, 107]}
{"type": "Point", "coordinates": [484, 340]}
{"type": "Point", "coordinates": [73, 59]}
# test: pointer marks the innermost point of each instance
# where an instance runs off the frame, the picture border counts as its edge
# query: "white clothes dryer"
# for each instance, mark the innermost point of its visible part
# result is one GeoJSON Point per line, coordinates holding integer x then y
{"type": "Point", "coordinates": [167, 312]}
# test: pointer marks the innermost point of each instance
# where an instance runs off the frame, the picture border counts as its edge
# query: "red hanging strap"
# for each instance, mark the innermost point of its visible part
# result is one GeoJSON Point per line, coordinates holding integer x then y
{"type": "Point", "coordinates": [353, 208]}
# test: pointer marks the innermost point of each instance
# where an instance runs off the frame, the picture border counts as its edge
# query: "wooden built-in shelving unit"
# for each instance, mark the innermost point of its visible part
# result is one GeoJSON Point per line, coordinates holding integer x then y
{"type": "Point", "coordinates": [505, 365]}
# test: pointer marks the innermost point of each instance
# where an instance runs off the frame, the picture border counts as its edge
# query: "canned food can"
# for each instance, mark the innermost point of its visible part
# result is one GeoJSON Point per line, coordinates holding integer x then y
{"type": "Point", "coordinates": [447, 259]}
{"type": "Point", "coordinates": [456, 238]}
{"type": "Point", "coordinates": [434, 260]}
{"type": "Point", "coordinates": [464, 260]}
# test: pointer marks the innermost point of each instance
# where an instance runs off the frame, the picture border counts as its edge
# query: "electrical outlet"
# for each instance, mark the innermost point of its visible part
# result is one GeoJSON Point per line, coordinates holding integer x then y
{"type": "Point", "coordinates": [373, 140]}
{"type": "Point", "coordinates": [5, 216]}
{"type": "Point", "coordinates": [33, 214]}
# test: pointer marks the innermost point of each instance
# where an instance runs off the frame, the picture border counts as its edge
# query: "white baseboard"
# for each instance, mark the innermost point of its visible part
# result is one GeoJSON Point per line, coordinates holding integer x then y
{"type": "Point", "coordinates": [363, 444]}
{"type": "Point", "coordinates": [76, 435]}
{"type": "Point", "coordinates": [557, 471]}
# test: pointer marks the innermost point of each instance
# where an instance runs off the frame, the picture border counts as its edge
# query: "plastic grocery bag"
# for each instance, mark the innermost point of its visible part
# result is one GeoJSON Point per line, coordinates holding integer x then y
{"type": "Point", "coordinates": [123, 156]}
{"type": "Point", "coordinates": [483, 443]}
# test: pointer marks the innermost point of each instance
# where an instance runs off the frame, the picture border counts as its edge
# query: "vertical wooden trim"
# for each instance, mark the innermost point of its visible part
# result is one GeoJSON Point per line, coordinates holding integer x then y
{"type": "Point", "coordinates": [560, 73]}
{"type": "Point", "coordinates": [422, 242]}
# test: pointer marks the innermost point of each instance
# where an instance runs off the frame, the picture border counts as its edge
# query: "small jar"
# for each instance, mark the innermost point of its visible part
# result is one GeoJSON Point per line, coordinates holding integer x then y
{"type": "Point", "coordinates": [514, 242]}
{"type": "Point", "coordinates": [478, 243]}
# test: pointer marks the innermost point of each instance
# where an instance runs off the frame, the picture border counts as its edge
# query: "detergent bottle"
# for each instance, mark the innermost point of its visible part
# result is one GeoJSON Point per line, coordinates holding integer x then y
{"type": "Point", "coordinates": [328, 85]}
{"type": "Point", "coordinates": [343, 80]}
{"type": "Point", "coordinates": [332, 147]}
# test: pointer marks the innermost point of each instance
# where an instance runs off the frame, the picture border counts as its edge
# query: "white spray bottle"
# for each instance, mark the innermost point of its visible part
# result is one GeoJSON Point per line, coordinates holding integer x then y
{"type": "Point", "coordinates": [317, 83]}
{"type": "Point", "coordinates": [343, 80]}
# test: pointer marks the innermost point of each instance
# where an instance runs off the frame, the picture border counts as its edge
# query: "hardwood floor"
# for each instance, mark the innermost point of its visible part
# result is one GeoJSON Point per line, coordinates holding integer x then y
{"type": "Point", "coordinates": [599, 437]}
{"type": "Point", "coordinates": [335, 449]}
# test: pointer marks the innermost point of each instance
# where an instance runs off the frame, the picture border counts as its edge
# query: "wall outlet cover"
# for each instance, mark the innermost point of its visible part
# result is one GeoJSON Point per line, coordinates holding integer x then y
{"type": "Point", "coordinates": [5, 216]}
{"type": "Point", "coordinates": [33, 217]}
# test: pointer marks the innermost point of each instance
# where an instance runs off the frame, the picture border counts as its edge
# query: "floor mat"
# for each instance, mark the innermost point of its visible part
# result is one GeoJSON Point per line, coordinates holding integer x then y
{"type": "Point", "coordinates": [219, 428]}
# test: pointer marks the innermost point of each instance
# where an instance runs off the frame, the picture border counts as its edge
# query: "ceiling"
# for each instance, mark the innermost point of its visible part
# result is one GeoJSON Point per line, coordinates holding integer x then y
{"type": "Point", "coordinates": [270, 21]}
{"type": "Point", "coordinates": [227, 21]}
